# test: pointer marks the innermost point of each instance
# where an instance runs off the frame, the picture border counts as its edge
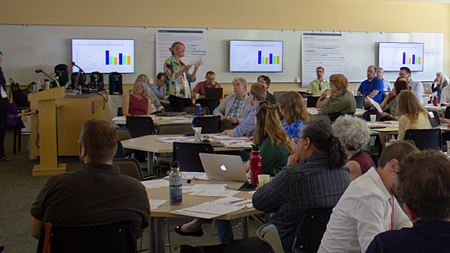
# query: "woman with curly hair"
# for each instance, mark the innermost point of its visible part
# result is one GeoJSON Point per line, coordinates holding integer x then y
{"type": "Point", "coordinates": [344, 101]}
{"type": "Point", "coordinates": [412, 114]}
{"type": "Point", "coordinates": [274, 144]}
{"type": "Point", "coordinates": [295, 114]}
{"type": "Point", "coordinates": [354, 134]}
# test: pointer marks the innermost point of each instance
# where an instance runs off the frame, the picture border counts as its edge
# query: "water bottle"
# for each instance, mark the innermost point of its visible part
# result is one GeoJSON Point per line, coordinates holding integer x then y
{"type": "Point", "coordinates": [255, 165]}
{"type": "Point", "coordinates": [198, 110]}
{"type": "Point", "coordinates": [175, 184]}
{"type": "Point", "coordinates": [47, 84]}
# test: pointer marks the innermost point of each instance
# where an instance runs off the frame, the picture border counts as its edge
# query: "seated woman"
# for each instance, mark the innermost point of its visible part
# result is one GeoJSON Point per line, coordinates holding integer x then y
{"type": "Point", "coordinates": [344, 102]}
{"type": "Point", "coordinates": [295, 114]}
{"type": "Point", "coordinates": [137, 102]}
{"type": "Point", "coordinates": [274, 143]}
{"type": "Point", "coordinates": [354, 134]}
{"type": "Point", "coordinates": [390, 102]}
{"type": "Point", "coordinates": [439, 83]}
{"type": "Point", "coordinates": [155, 101]}
{"type": "Point", "coordinates": [412, 114]}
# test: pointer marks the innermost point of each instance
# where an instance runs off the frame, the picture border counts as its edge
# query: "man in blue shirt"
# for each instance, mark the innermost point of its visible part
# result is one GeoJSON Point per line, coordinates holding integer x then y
{"type": "Point", "coordinates": [158, 87]}
{"type": "Point", "coordinates": [372, 87]}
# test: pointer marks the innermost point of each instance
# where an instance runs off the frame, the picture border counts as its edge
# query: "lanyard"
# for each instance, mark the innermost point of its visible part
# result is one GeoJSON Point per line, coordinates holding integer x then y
{"type": "Point", "coordinates": [392, 215]}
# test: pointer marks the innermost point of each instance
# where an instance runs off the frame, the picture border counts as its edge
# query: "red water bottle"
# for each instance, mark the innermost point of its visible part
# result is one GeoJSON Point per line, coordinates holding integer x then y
{"type": "Point", "coordinates": [435, 100]}
{"type": "Point", "coordinates": [255, 165]}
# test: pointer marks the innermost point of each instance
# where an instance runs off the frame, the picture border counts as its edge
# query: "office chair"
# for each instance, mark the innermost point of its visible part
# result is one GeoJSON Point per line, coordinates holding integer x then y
{"type": "Point", "coordinates": [140, 126]}
{"type": "Point", "coordinates": [191, 110]}
{"type": "Point", "coordinates": [177, 103]}
{"type": "Point", "coordinates": [266, 240]}
{"type": "Point", "coordinates": [124, 134]}
{"type": "Point", "coordinates": [311, 229]}
{"type": "Point", "coordinates": [209, 124]}
{"type": "Point", "coordinates": [115, 237]}
{"type": "Point", "coordinates": [175, 129]}
{"type": "Point", "coordinates": [323, 117]}
{"type": "Point", "coordinates": [211, 103]}
{"type": "Point", "coordinates": [187, 155]}
{"type": "Point", "coordinates": [130, 167]}
{"type": "Point", "coordinates": [425, 138]}
{"type": "Point", "coordinates": [312, 101]}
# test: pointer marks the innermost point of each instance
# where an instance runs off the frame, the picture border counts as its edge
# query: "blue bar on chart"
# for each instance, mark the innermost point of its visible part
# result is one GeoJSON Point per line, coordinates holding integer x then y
{"type": "Point", "coordinates": [107, 57]}
{"type": "Point", "coordinates": [259, 57]}
{"type": "Point", "coordinates": [404, 57]}
{"type": "Point", "coordinates": [414, 59]}
{"type": "Point", "coordinates": [120, 59]}
{"type": "Point", "coordinates": [270, 58]}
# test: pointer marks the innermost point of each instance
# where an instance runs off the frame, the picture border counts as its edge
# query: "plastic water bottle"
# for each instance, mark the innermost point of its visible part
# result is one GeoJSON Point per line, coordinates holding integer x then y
{"type": "Point", "coordinates": [175, 184]}
{"type": "Point", "coordinates": [255, 165]}
{"type": "Point", "coordinates": [198, 110]}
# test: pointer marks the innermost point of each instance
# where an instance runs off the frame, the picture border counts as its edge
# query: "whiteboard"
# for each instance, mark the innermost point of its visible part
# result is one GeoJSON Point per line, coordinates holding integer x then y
{"type": "Point", "coordinates": [26, 48]}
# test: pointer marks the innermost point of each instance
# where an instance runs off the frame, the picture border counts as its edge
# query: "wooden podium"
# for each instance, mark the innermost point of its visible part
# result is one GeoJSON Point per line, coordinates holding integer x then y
{"type": "Point", "coordinates": [48, 132]}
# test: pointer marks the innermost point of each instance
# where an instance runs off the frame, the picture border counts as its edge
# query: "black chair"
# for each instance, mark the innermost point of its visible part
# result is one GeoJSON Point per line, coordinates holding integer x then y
{"type": "Point", "coordinates": [312, 101]}
{"type": "Point", "coordinates": [175, 129]}
{"type": "Point", "coordinates": [447, 112]}
{"type": "Point", "coordinates": [119, 111]}
{"type": "Point", "coordinates": [425, 138]}
{"type": "Point", "coordinates": [311, 229]}
{"type": "Point", "coordinates": [177, 103]}
{"type": "Point", "coordinates": [359, 102]}
{"type": "Point", "coordinates": [130, 167]}
{"type": "Point", "coordinates": [187, 155]}
{"type": "Point", "coordinates": [209, 124]}
{"type": "Point", "coordinates": [334, 116]}
{"type": "Point", "coordinates": [191, 110]}
{"type": "Point", "coordinates": [211, 103]}
{"type": "Point", "coordinates": [112, 238]}
{"type": "Point", "coordinates": [140, 126]}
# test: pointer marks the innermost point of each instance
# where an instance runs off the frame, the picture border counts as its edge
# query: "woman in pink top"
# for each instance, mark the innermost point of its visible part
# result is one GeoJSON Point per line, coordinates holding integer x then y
{"type": "Point", "coordinates": [354, 134]}
{"type": "Point", "coordinates": [137, 103]}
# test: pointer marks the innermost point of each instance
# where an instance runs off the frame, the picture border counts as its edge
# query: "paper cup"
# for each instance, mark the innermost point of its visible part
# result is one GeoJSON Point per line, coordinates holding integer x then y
{"type": "Point", "coordinates": [199, 134]}
{"type": "Point", "coordinates": [373, 118]}
{"type": "Point", "coordinates": [263, 179]}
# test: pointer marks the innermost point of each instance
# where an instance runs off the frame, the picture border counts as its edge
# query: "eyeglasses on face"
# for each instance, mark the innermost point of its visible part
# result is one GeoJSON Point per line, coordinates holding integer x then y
{"type": "Point", "coordinates": [79, 142]}
{"type": "Point", "coordinates": [296, 139]}
{"type": "Point", "coordinates": [140, 86]}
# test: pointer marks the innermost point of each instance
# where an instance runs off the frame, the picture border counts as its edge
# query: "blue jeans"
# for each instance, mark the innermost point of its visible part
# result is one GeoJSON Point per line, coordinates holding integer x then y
{"type": "Point", "coordinates": [224, 229]}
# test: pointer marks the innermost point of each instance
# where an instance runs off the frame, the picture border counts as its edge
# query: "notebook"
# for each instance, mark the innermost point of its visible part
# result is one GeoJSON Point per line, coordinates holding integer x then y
{"type": "Point", "coordinates": [223, 167]}
{"type": "Point", "coordinates": [216, 93]}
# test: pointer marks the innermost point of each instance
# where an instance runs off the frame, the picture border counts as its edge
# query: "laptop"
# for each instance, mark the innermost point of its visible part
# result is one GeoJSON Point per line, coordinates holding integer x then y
{"type": "Point", "coordinates": [434, 119]}
{"type": "Point", "coordinates": [216, 93]}
{"type": "Point", "coordinates": [223, 167]}
{"type": "Point", "coordinates": [427, 89]}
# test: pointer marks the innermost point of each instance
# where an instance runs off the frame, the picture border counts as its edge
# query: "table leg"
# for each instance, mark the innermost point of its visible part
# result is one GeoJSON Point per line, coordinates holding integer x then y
{"type": "Point", "coordinates": [244, 222]}
{"type": "Point", "coordinates": [156, 235]}
{"type": "Point", "coordinates": [150, 157]}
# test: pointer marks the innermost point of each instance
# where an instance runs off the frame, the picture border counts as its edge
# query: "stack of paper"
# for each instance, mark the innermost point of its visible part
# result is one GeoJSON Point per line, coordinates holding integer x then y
{"type": "Point", "coordinates": [171, 140]}
{"type": "Point", "coordinates": [208, 210]}
{"type": "Point", "coordinates": [155, 183]}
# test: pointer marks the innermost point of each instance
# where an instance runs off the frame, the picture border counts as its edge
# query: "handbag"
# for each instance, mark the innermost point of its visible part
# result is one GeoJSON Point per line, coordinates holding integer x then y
{"type": "Point", "coordinates": [20, 97]}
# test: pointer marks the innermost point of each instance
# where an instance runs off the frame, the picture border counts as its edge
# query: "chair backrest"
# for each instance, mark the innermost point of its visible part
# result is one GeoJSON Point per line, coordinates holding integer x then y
{"type": "Point", "coordinates": [312, 101]}
{"type": "Point", "coordinates": [119, 111]}
{"type": "Point", "coordinates": [187, 155]}
{"type": "Point", "coordinates": [177, 103]}
{"type": "Point", "coordinates": [209, 124]}
{"type": "Point", "coordinates": [175, 129]}
{"type": "Point", "coordinates": [140, 126]}
{"type": "Point", "coordinates": [268, 233]}
{"type": "Point", "coordinates": [115, 237]}
{"type": "Point", "coordinates": [130, 167]}
{"type": "Point", "coordinates": [123, 133]}
{"type": "Point", "coordinates": [359, 102]}
{"type": "Point", "coordinates": [214, 93]}
{"type": "Point", "coordinates": [447, 112]}
{"type": "Point", "coordinates": [191, 110]}
{"type": "Point", "coordinates": [311, 229]}
{"type": "Point", "coordinates": [425, 138]}
{"type": "Point", "coordinates": [323, 117]}
{"type": "Point", "coordinates": [211, 103]}
{"type": "Point", "coordinates": [277, 95]}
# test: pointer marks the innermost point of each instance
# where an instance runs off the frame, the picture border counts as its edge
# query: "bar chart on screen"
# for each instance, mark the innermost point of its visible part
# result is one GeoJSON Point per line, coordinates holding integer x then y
{"type": "Point", "coordinates": [393, 56]}
{"type": "Point", "coordinates": [256, 56]}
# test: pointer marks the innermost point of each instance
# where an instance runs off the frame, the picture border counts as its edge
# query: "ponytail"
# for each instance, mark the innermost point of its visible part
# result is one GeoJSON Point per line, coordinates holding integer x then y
{"type": "Point", "coordinates": [336, 152]}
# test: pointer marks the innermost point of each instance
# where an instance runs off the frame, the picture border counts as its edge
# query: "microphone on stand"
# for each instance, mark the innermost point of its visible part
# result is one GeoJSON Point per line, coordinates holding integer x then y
{"type": "Point", "coordinates": [41, 71]}
{"type": "Point", "coordinates": [52, 76]}
{"type": "Point", "coordinates": [80, 71]}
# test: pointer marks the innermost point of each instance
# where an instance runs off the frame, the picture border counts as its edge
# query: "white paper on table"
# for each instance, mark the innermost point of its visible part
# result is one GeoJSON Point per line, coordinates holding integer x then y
{"type": "Point", "coordinates": [155, 183]}
{"type": "Point", "coordinates": [119, 118]}
{"type": "Point", "coordinates": [375, 104]}
{"type": "Point", "coordinates": [207, 210]}
{"type": "Point", "coordinates": [216, 187]}
{"type": "Point", "coordinates": [234, 201]}
{"type": "Point", "coordinates": [214, 193]}
{"type": "Point", "coordinates": [226, 137]}
{"type": "Point", "coordinates": [171, 140]}
{"type": "Point", "coordinates": [155, 203]}
{"type": "Point", "coordinates": [187, 187]}
{"type": "Point", "coordinates": [236, 144]}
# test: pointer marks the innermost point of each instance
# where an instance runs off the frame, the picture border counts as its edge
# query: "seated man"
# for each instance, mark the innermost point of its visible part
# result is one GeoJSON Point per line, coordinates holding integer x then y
{"type": "Point", "coordinates": [424, 186]}
{"type": "Point", "coordinates": [246, 128]}
{"type": "Point", "coordinates": [416, 86]}
{"type": "Point", "coordinates": [265, 80]}
{"type": "Point", "coordinates": [316, 176]}
{"type": "Point", "coordinates": [158, 87]}
{"type": "Point", "coordinates": [445, 96]}
{"type": "Point", "coordinates": [235, 107]}
{"type": "Point", "coordinates": [368, 206]}
{"type": "Point", "coordinates": [97, 194]}
{"type": "Point", "coordinates": [372, 87]}
{"type": "Point", "coordinates": [386, 84]}
{"type": "Point", "coordinates": [210, 82]}
{"type": "Point", "coordinates": [318, 86]}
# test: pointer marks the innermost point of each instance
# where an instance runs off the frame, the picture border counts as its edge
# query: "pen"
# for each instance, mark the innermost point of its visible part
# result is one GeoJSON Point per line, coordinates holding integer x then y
{"type": "Point", "coordinates": [237, 201]}
{"type": "Point", "coordinates": [230, 188]}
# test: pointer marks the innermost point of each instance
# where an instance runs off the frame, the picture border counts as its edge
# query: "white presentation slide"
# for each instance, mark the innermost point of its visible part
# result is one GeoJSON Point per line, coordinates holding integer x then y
{"type": "Point", "coordinates": [104, 56]}
{"type": "Point", "coordinates": [256, 56]}
{"type": "Point", "coordinates": [392, 56]}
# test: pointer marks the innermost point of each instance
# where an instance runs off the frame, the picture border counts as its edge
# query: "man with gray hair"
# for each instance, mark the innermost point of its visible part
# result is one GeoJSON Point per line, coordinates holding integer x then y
{"type": "Point", "coordinates": [386, 85]}
{"type": "Point", "coordinates": [236, 107]}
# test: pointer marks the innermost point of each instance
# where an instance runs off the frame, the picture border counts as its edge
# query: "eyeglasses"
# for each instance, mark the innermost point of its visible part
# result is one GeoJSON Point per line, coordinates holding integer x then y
{"type": "Point", "coordinates": [79, 142]}
{"type": "Point", "coordinates": [262, 82]}
{"type": "Point", "coordinates": [296, 139]}
{"type": "Point", "coordinates": [140, 86]}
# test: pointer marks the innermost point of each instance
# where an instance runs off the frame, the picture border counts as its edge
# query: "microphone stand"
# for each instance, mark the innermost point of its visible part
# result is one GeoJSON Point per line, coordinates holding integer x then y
{"type": "Point", "coordinates": [78, 75]}
{"type": "Point", "coordinates": [51, 77]}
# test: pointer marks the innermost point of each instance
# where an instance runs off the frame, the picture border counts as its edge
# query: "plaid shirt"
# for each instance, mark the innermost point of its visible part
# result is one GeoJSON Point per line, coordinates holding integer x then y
{"type": "Point", "coordinates": [309, 184]}
{"type": "Point", "coordinates": [235, 110]}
